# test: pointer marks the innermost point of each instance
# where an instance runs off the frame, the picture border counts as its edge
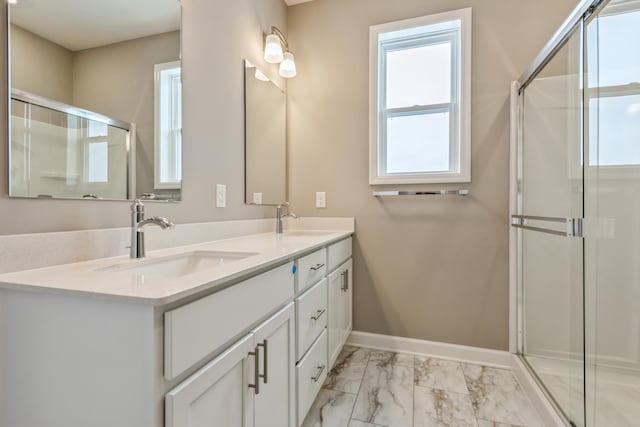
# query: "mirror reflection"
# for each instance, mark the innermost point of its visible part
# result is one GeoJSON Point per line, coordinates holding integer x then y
{"type": "Point", "coordinates": [265, 139]}
{"type": "Point", "coordinates": [96, 102]}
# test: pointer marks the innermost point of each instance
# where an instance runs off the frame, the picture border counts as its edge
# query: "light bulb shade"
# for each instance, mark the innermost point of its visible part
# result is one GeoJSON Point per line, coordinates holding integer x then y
{"type": "Point", "coordinates": [288, 66]}
{"type": "Point", "coordinates": [273, 50]}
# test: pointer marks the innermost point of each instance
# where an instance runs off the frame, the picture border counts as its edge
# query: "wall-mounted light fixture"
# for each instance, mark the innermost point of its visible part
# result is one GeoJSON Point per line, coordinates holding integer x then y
{"type": "Point", "coordinates": [274, 54]}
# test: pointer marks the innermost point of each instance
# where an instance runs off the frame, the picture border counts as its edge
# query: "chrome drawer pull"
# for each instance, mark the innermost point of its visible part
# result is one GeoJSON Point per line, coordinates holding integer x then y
{"type": "Point", "coordinates": [345, 281]}
{"type": "Point", "coordinates": [317, 267]}
{"type": "Point", "coordinates": [317, 377]}
{"type": "Point", "coordinates": [318, 315]}
{"type": "Point", "coordinates": [256, 370]}
{"type": "Point", "coordinates": [265, 346]}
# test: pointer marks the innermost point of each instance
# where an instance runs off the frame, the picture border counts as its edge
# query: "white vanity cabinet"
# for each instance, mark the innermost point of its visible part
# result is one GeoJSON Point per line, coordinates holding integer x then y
{"type": "Point", "coordinates": [275, 341]}
{"type": "Point", "coordinates": [250, 350]}
{"type": "Point", "coordinates": [323, 317]}
{"type": "Point", "coordinates": [340, 295]}
{"type": "Point", "coordinates": [242, 386]}
{"type": "Point", "coordinates": [217, 394]}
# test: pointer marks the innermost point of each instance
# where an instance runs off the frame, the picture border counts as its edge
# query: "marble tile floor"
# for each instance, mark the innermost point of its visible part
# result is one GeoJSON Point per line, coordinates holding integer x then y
{"type": "Point", "coordinates": [615, 393]}
{"type": "Point", "coordinates": [371, 388]}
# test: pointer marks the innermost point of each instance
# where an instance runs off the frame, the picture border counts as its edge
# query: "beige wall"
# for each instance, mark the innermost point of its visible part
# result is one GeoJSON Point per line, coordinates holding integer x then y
{"type": "Point", "coordinates": [216, 37]}
{"type": "Point", "coordinates": [40, 66]}
{"type": "Point", "coordinates": [117, 80]}
{"type": "Point", "coordinates": [429, 268]}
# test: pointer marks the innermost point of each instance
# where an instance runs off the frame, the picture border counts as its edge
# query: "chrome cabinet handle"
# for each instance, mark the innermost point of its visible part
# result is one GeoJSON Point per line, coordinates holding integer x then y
{"type": "Point", "coordinates": [256, 371]}
{"type": "Point", "coordinates": [265, 345]}
{"type": "Point", "coordinates": [317, 267]}
{"type": "Point", "coordinates": [345, 281]}
{"type": "Point", "coordinates": [320, 370]}
{"type": "Point", "coordinates": [318, 314]}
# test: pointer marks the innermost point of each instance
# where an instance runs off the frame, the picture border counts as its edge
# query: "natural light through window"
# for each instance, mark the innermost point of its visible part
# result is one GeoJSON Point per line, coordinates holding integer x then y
{"type": "Point", "coordinates": [97, 162]}
{"type": "Point", "coordinates": [420, 100]}
{"type": "Point", "coordinates": [417, 143]}
{"type": "Point", "coordinates": [614, 92]}
{"type": "Point", "coordinates": [412, 78]}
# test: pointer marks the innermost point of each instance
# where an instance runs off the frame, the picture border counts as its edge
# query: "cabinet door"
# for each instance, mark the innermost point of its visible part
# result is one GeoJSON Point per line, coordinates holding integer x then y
{"type": "Point", "coordinates": [340, 309]}
{"type": "Point", "coordinates": [346, 304]}
{"type": "Point", "coordinates": [218, 394]}
{"type": "Point", "coordinates": [275, 402]}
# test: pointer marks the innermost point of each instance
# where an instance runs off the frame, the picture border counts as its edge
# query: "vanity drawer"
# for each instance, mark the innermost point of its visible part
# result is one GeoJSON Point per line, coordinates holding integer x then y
{"type": "Point", "coordinates": [339, 252]}
{"type": "Point", "coordinates": [311, 269]}
{"type": "Point", "coordinates": [311, 317]}
{"type": "Point", "coordinates": [195, 330]}
{"type": "Point", "coordinates": [310, 374]}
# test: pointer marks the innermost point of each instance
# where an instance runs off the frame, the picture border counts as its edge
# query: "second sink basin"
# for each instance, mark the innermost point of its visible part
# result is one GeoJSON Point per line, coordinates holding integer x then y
{"type": "Point", "coordinates": [179, 265]}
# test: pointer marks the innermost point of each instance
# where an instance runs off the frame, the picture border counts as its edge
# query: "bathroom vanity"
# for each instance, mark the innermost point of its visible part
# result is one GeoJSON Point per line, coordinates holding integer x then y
{"type": "Point", "coordinates": [237, 332]}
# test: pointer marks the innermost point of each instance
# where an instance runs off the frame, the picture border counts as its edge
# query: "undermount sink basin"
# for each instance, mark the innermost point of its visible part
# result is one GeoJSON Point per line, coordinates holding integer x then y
{"type": "Point", "coordinates": [307, 233]}
{"type": "Point", "coordinates": [179, 265]}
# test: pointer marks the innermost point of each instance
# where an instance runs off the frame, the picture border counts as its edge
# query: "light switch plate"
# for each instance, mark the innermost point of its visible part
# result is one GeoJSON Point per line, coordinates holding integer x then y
{"type": "Point", "coordinates": [221, 196]}
{"type": "Point", "coordinates": [321, 200]}
{"type": "Point", "coordinates": [257, 198]}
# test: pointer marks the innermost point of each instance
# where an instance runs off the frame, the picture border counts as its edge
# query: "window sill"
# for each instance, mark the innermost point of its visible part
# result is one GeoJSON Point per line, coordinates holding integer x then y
{"type": "Point", "coordinates": [420, 179]}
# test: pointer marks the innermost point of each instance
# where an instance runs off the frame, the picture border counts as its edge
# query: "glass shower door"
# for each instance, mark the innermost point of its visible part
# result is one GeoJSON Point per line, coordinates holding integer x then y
{"type": "Point", "coordinates": [612, 208]}
{"type": "Point", "coordinates": [550, 204]}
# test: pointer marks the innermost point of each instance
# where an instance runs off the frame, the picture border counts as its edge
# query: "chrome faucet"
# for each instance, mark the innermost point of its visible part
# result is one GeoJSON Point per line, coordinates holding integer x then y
{"type": "Point", "coordinates": [280, 214]}
{"type": "Point", "coordinates": [138, 223]}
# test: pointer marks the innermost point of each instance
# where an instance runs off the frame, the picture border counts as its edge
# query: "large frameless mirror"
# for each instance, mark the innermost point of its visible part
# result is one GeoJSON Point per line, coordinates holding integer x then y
{"type": "Point", "coordinates": [265, 139]}
{"type": "Point", "coordinates": [95, 99]}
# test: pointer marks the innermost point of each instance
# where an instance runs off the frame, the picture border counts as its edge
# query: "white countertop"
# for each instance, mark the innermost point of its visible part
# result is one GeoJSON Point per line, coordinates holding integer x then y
{"type": "Point", "coordinates": [83, 278]}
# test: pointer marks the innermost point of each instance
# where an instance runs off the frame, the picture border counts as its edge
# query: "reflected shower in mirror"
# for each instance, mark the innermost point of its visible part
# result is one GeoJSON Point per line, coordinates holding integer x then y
{"type": "Point", "coordinates": [265, 139]}
{"type": "Point", "coordinates": [96, 103]}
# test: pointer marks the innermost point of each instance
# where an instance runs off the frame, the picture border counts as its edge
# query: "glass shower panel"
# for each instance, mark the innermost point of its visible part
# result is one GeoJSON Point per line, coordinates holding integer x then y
{"type": "Point", "coordinates": [58, 154]}
{"type": "Point", "coordinates": [612, 211]}
{"type": "Point", "coordinates": [551, 262]}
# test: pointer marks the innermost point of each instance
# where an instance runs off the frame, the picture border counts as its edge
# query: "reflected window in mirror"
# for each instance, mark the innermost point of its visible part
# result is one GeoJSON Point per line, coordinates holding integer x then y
{"type": "Point", "coordinates": [168, 136]}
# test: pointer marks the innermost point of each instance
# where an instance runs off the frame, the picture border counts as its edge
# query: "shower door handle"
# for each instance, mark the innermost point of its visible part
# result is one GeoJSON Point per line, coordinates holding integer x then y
{"type": "Point", "coordinates": [574, 226]}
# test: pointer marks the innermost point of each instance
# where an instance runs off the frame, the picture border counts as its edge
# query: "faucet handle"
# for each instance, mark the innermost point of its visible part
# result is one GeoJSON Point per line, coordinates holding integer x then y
{"type": "Point", "coordinates": [137, 206]}
{"type": "Point", "coordinates": [283, 204]}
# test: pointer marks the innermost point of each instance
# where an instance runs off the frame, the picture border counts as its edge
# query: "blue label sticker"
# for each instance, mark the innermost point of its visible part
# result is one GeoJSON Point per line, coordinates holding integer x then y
{"type": "Point", "coordinates": [294, 269]}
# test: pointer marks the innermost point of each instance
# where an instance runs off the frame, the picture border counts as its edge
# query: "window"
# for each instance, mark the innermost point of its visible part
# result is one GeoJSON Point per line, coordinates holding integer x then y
{"type": "Point", "coordinates": [419, 100]}
{"type": "Point", "coordinates": [96, 151]}
{"type": "Point", "coordinates": [97, 162]}
{"type": "Point", "coordinates": [168, 124]}
{"type": "Point", "coordinates": [614, 100]}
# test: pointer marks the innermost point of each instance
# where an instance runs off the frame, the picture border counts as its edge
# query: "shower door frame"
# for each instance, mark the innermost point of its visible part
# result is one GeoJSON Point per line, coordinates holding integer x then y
{"type": "Point", "coordinates": [575, 22]}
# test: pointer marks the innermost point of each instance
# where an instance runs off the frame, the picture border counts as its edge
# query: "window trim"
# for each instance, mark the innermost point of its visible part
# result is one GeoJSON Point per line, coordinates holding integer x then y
{"type": "Point", "coordinates": [159, 184]}
{"type": "Point", "coordinates": [461, 110]}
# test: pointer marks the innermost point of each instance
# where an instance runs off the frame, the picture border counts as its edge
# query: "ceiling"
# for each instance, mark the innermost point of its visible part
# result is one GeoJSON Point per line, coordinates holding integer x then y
{"type": "Point", "coordinates": [83, 24]}
{"type": "Point", "coordinates": [292, 2]}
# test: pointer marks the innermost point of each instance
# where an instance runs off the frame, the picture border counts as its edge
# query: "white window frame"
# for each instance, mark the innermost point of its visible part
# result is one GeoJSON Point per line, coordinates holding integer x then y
{"type": "Point", "coordinates": [459, 108]}
{"type": "Point", "coordinates": [161, 132]}
{"type": "Point", "coordinates": [87, 141]}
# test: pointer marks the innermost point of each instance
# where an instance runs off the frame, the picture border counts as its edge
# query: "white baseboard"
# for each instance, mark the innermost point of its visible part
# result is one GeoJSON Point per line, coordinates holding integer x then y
{"type": "Point", "coordinates": [460, 353]}
{"type": "Point", "coordinates": [541, 403]}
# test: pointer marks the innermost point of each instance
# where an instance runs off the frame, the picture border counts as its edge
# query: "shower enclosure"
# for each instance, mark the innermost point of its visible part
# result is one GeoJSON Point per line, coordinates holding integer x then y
{"type": "Point", "coordinates": [577, 219]}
